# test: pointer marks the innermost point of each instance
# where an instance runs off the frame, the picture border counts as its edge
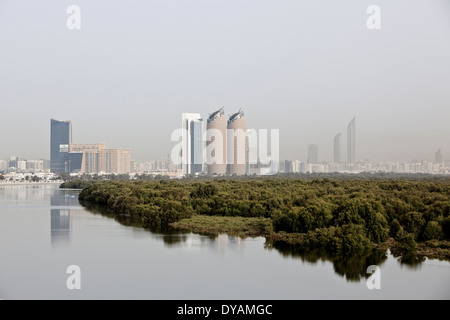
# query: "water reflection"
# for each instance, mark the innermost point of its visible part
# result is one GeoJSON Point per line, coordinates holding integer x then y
{"type": "Point", "coordinates": [60, 225]}
{"type": "Point", "coordinates": [23, 192]}
{"type": "Point", "coordinates": [65, 198]}
{"type": "Point", "coordinates": [351, 267]}
{"type": "Point", "coordinates": [410, 260]}
{"type": "Point", "coordinates": [172, 237]}
{"type": "Point", "coordinates": [61, 215]}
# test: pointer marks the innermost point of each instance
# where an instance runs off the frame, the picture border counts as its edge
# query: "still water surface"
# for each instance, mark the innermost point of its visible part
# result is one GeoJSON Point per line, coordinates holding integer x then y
{"type": "Point", "coordinates": [43, 230]}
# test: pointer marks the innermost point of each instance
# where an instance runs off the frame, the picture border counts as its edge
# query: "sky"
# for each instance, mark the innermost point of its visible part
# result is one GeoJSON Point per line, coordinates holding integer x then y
{"type": "Point", "coordinates": [303, 67]}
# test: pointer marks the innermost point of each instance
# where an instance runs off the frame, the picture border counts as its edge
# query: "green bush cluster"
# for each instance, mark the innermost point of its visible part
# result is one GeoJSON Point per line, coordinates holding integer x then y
{"type": "Point", "coordinates": [336, 215]}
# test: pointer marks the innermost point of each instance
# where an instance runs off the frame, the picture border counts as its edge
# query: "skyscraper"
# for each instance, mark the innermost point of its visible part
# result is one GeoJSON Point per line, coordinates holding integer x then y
{"type": "Point", "coordinates": [337, 147]}
{"type": "Point", "coordinates": [313, 153]}
{"type": "Point", "coordinates": [351, 142]}
{"type": "Point", "coordinates": [60, 141]}
{"type": "Point", "coordinates": [216, 143]}
{"type": "Point", "coordinates": [438, 157]}
{"type": "Point", "coordinates": [192, 145]}
{"type": "Point", "coordinates": [237, 144]}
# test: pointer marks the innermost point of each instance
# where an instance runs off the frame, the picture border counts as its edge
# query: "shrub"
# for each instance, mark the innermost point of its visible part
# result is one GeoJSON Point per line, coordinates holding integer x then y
{"type": "Point", "coordinates": [432, 231]}
{"type": "Point", "coordinates": [446, 227]}
{"type": "Point", "coordinates": [395, 228]}
{"type": "Point", "coordinates": [407, 241]}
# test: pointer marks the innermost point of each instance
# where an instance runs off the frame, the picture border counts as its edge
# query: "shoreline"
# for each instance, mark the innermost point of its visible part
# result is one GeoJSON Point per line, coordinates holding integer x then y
{"type": "Point", "coordinates": [30, 184]}
{"type": "Point", "coordinates": [258, 227]}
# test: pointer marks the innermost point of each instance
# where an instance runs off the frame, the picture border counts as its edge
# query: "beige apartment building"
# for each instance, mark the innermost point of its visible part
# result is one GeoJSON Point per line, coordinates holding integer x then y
{"type": "Point", "coordinates": [237, 144]}
{"type": "Point", "coordinates": [98, 159]}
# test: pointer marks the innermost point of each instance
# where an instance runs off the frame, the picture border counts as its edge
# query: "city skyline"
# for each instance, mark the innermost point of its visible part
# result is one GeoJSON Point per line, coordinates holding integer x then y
{"type": "Point", "coordinates": [436, 156]}
{"type": "Point", "coordinates": [69, 157]}
{"type": "Point", "coordinates": [299, 68]}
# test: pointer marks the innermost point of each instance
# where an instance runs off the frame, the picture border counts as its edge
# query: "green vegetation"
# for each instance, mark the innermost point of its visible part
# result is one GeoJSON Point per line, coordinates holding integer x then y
{"type": "Point", "coordinates": [233, 226]}
{"type": "Point", "coordinates": [76, 184]}
{"type": "Point", "coordinates": [339, 216]}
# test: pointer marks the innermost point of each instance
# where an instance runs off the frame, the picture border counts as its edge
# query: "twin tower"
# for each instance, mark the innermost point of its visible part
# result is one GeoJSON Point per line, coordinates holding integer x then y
{"type": "Point", "coordinates": [222, 149]}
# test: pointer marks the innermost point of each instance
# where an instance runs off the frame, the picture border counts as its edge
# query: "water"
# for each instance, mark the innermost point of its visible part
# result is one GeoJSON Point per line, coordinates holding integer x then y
{"type": "Point", "coordinates": [44, 230]}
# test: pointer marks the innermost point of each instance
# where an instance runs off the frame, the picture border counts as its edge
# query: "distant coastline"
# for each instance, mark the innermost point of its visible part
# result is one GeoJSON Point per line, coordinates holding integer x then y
{"type": "Point", "coordinates": [40, 183]}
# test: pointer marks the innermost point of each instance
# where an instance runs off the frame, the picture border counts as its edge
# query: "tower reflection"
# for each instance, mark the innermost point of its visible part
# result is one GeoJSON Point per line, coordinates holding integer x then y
{"type": "Point", "coordinates": [60, 215]}
{"type": "Point", "coordinates": [60, 225]}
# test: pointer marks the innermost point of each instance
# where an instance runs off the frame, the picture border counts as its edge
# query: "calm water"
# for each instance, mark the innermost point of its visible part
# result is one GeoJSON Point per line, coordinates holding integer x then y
{"type": "Point", "coordinates": [44, 230]}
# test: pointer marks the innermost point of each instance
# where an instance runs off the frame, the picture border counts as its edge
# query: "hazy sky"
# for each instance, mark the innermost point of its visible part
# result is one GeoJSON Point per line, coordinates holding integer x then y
{"type": "Point", "coordinates": [304, 67]}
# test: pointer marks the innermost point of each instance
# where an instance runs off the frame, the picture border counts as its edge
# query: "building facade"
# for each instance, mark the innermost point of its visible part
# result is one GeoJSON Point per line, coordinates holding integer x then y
{"type": "Point", "coordinates": [216, 143]}
{"type": "Point", "coordinates": [66, 156]}
{"type": "Point", "coordinates": [237, 144]}
{"type": "Point", "coordinates": [192, 143]}
{"type": "Point", "coordinates": [117, 161]}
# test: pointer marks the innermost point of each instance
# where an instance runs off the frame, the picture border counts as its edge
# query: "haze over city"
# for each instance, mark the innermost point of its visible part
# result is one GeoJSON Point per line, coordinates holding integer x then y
{"type": "Point", "coordinates": [307, 69]}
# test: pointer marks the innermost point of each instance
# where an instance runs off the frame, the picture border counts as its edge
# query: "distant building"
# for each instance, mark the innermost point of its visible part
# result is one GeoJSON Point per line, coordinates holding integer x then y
{"type": "Point", "coordinates": [3, 165]}
{"type": "Point", "coordinates": [237, 144]}
{"type": "Point", "coordinates": [76, 147]}
{"type": "Point", "coordinates": [337, 148]}
{"type": "Point", "coordinates": [21, 165]}
{"type": "Point", "coordinates": [217, 129]}
{"type": "Point", "coordinates": [35, 165]}
{"type": "Point", "coordinates": [60, 141]}
{"type": "Point", "coordinates": [13, 162]}
{"type": "Point", "coordinates": [114, 161]}
{"type": "Point", "coordinates": [351, 142]}
{"type": "Point", "coordinates": [287, 166]}
{"type": "Point", "coordinates": [117, 161]}
{"type": "Point", "coordinates": [84, 158]}
{"type": "Point", "coordinates": [313, 153]}
{"type": "Point", "coordinates": [192, 144]}
{"type": "Point", "coordinates": [77, 162]}
{"type": "Point", "coordinates": [438, 157]}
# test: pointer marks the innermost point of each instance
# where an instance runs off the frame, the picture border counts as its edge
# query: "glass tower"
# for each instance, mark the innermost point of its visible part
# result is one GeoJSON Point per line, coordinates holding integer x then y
{"type": "Point", "coordinates": [60, 140]}
{"type": "Point", "coordinates": [192, 143]}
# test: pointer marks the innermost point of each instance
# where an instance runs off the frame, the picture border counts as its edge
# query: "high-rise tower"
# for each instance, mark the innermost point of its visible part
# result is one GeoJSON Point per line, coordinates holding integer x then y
{"type": "Point", "coordinates": [192, 149]}
{"type": "Point", "coordinates": [237, 144]}
{"type": "Point", "coordinates": [337, 147]}
{"type": "Point", "coordinates": [313, 153]}
{"type": "Point", "coordinates": [216, 143]}
{"type": "Point", "coordinates": [351, 142]}
{"type": "Point", "coordinates": [60, 141]}
{"type": "Point", "coordinates": [438, 157]}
